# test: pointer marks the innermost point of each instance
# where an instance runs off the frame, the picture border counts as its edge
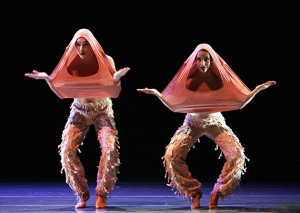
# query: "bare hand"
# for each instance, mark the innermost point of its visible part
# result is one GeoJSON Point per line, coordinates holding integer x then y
{"type": "Point", "coordinates": [125, 69]}
{"type": "Point", "coordinates": [38, 75]}
{"type": "Point", "coordinates": [150, 91]}
{"type": "Point", "coordinates": [257, 90]}
{"type": "Point", "coordinates": [121, 72]}
{"type": "Point", "coordinates": [265, 85]}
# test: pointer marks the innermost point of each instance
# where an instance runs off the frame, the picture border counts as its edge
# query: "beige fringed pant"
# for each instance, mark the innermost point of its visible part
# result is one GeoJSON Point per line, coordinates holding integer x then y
{"type": "Point", "coordinates": [214, 127]}
{"type": "Point", "coordinates": [99, 114]}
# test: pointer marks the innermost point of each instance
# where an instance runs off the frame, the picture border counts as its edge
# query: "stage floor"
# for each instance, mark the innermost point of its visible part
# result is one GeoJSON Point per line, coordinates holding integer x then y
{"type": "Point", "coordinates": [147, 197]}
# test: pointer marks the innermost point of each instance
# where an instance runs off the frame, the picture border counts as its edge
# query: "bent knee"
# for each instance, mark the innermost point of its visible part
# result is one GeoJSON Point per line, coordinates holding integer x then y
{"type": "Point", "coordinates": [107, 134]}
{"type": "Point", "coordinates": [167, 157]}
{"type": "Point", "coordinates": [173, 152]}
{"type": "Point", "coordinates": [169, 153]}
{"type": "Point", "coordinates": [67, 151]}
{"type": "Point", "coordinates": [237, 156]}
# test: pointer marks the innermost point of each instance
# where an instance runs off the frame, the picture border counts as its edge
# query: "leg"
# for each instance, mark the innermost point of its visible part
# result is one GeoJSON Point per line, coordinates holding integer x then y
{"type": "Point", "coordinates": [109, 161]}
{"type": "Point", "coordinates": [176, 167]}
{"type": "Point", "coordinates": [234, 166]}
{"type": "Point", "coordinates": [73, 135]}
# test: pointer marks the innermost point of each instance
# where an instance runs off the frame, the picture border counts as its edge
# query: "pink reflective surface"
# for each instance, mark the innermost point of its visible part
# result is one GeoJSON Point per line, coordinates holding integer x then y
{"type": "Point", "coordinates": [230, 96]}
{"type": "Point", "coordinates": [89, 81]}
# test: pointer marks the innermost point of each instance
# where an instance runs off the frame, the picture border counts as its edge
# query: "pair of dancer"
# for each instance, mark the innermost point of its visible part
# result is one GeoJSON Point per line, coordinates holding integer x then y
{"type": "Point", "coordinates": [202, 88]}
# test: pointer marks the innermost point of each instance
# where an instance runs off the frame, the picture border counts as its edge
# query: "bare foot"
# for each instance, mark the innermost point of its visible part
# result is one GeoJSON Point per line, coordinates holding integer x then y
{"type": "Point", "coordinates": [213, 203]}
{"type": "Point", "coordinates": [100, 202]}
{"type": "Point", "coordinates": [80, 204]}
{"type": "Point", "coordinates": [196, 201]}
{"type": "Point", "coordinates": [82, 201]}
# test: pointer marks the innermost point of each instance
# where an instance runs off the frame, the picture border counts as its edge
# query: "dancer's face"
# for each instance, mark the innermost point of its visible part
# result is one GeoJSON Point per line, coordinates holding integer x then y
{"type": "Point", "coordinates": [203, 60]}
{"type": "Point", "coordinates": [83, 48]}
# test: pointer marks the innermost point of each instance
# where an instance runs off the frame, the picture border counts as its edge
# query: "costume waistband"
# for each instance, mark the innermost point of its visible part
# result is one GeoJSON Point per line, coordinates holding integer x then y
{"type": "Point", "coordinates": [204, 119]}
{"type": "Point", "coordinates": [100, 105]}
{"type": "Point", "coordinates": [204, 116]}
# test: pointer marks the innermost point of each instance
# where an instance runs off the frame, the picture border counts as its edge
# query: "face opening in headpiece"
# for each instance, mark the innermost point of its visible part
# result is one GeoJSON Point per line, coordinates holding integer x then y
{"type": "Point", "coordinates": [85, 63]}
{"type": "Point", "coordinates": [203, 60]}
{"type": "Point", "coordinates": [83, 48]}
{"type": "Point", "coordinates": [201, 78]}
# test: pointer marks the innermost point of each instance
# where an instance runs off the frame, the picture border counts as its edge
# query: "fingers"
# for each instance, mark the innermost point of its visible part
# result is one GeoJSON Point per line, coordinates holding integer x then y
{"type": "Point", "coordinates": [142, 90]}
{"type": "Point", "coordinates": [146, 90]}
{"type": "Point", "coordinates": [269, 83]}
{"type": "Point", "coordinates": [126, 69]}
{"type": "Point", "coordinates": [121, 72]}
{"type": "Point", "coordinates": [29, 74]}
{"type": "Point", "coordinates": [34, 72]}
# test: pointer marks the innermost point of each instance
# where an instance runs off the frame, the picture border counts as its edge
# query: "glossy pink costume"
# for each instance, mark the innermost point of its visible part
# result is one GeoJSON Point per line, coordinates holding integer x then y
{"type": "Point", "coordinates": [209, 122]}
{"type": "Point", "coordinates": [100, 84]}
{"type": "Point", "coordinates": [230, 97]}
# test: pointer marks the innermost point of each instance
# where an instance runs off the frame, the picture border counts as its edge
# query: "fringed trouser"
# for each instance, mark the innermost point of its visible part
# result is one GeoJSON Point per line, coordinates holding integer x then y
{"type": "Point", "coordinates": [99, 114]}
{"type": "Point", "coordinates": [215, 128]}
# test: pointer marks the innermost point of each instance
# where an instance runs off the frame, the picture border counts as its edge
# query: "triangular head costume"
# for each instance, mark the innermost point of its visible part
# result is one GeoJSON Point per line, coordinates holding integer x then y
{"type": "Point", "coordinates": [73, 79]}
{"type": "Point", "coordinates": [231, 95]}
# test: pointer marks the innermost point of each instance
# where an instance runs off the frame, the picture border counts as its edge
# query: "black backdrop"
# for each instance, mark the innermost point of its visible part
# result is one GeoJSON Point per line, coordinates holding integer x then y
{"type": "Point", "coordinates": [153, 38]}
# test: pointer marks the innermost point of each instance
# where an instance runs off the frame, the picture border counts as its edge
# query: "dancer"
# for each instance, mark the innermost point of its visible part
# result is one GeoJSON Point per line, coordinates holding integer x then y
{"type": "Point", "coordinates": [202, 88]}
{"type": "Point", "coordinates": [88, 75]}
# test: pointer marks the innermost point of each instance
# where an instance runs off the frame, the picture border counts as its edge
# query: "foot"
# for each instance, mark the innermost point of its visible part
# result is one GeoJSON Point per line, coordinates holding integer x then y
{"type": "Point", "coordinates": [80, 204]}
{"type": "Point", "coordinates": [100, 202]}
{"type": "Point", "coordinates": [213, 203]}
{"type": "Point", "coordinates": [196, 201]}
{"type": "Point", "coordinates": [82, 201]}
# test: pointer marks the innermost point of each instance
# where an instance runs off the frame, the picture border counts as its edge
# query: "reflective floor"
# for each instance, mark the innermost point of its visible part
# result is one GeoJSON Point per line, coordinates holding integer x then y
{"type": "Point", "coordinates": [147, 197]}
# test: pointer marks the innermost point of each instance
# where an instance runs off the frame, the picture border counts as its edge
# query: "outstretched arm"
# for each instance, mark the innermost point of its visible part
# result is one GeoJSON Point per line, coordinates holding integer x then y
{"type": "Point", "coordinates": [38, 75]}
{"type": "Point", "coordinates": [257, 90]}
{"type": "Point", "coordinates": [151, 92]}
{"type": "Point", "coordinates": [42, 75]}
{"type": "Point", "coordinates": [120, 72]}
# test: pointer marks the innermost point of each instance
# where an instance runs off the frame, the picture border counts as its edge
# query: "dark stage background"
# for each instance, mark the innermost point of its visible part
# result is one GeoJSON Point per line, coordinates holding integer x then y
{"type": "Point", "coordinates": [153, 38]}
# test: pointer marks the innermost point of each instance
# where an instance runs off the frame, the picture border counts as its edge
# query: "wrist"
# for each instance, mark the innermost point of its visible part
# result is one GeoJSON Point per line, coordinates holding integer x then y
{"type": "Point", "coordinates": [158, 95]}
